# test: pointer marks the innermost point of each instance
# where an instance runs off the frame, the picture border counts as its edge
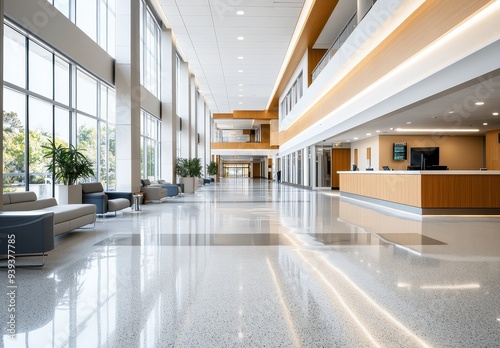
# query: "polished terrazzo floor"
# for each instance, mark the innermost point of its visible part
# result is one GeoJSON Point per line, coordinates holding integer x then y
{"type": "Point", "coordinates": [252, 263]}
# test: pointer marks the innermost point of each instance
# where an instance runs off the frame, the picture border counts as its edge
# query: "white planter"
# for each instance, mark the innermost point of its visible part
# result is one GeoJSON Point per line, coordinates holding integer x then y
{"type": "Point", "coordinates": [69, 194]}
{"type": "Point", "coordinates": [189, 184]}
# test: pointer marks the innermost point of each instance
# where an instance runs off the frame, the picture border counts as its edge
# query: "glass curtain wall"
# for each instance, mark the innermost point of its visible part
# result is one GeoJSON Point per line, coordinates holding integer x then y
{"type": "Point", "coordinates": [150, 146]}
{"type": "Point", "coordinates": [323, 166]}
{"type": "Point", "coordinates": [97, 18]}
{"type": "Point", "coordinates": [236, 170]}
{"type": "Point", "coordinates": [41, 103]}
{"type": "Point", "coordinates": [150, 35]}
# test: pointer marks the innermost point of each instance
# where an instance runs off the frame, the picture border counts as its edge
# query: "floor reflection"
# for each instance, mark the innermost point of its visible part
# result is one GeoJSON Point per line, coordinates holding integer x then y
{"type": "Point", "coordinates": [284, 267]}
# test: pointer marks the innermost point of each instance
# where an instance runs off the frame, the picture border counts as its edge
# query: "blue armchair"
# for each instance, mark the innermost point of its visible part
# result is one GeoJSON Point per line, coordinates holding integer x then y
{"type": "Point", "coordinates": [105, 201]}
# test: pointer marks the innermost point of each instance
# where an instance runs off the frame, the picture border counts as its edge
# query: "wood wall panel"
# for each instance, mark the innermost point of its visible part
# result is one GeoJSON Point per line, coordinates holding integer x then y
{"type": "Point", "coordinates": [341, 160]}
{"type": "Point", "coordinates": [241, 146]}
{"type": "Point", "coordinates": [249, 115]}
{"type": "Point", "coordinates": [427, 24]}
{"type": "Point", "coordinates": [265, 133]}
{"type": "Point", "coordinates": [398, 188]}
{"type": "Point", "coordinates": [256, 170]}
{"type": "Point", "coordinates": [461, 191]}
{"type": "Point", "coordinates": [427, 191]}
{"type": "Point", "coordinates": [493, 150]}
{"type": "Point", "coordinates": [314, 56]}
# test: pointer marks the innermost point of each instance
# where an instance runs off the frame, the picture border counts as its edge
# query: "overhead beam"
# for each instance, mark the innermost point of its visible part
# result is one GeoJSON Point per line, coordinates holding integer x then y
{"type": "Point", "coordinates": [248, 115]}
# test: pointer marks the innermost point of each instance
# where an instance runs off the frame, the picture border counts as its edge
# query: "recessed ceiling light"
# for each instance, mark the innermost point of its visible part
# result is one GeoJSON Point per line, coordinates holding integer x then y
{"type": "Point", "coordinates": [368, 133]}
{"type": "Point", "coordinates": [377, 131]}
{"type": "Point", "coordinates": [409, 122]}
{"type": "Point", "coordinates": [240, 103]}
{"type": "Point", "coordinates": [240, 70]}
{"type": "Point", "coordinates": [240, 84]}
{"type": "Point", "coordinates": [240, 13]}
{"type": "Point", "coordinates": [240, 95]}
{"type": "Point", "coordinates": [391, 128]}
{"type": "Point", "coordinates": [485, 123]}
{"type": "Point", "coordinates": [450, 112]}
{"type": "Point", "coordinates": [348, 140]}
{"type": "Point", "coordinates": [479, 103]}
{"type": "Point", "coordinates": [355, 138]}
{"type": "Point", "coordinates": [495, 114]}
{"type": "Point", "coordinates": [240, 38]}
{"type": "Point", "coordinates": [240, 57]}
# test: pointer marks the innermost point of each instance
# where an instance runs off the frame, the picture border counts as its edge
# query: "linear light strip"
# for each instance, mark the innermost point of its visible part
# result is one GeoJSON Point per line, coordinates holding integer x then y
{"type": "Point", "coordinates": [436, 130]}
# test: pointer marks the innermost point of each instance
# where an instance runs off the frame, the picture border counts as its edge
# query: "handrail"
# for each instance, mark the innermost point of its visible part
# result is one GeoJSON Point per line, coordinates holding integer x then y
{"type": "Point", "coordinates": [337, 42]}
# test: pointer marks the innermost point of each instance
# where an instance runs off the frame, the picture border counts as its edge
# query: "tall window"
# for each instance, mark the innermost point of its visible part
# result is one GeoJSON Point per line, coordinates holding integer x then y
{"type": "Point", "coordinates": [292, 97]}
{"type": "Point", "coordinates": [97, 18]}
{"type": "Point", "coordinates": [150, 50]}
{"type": "Point", "coordinates": [178, 84]}
{"type": "Point", "coordinates": [38, 84]}
{"type": "Point", "coordinates": [150, 146]}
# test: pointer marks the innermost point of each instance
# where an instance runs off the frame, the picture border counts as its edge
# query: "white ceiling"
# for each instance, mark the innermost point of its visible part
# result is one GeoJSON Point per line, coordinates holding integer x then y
{"type": "Point", "coordinates": [207, 32]}
{"type": "Point", "coordinates": [451, 109]}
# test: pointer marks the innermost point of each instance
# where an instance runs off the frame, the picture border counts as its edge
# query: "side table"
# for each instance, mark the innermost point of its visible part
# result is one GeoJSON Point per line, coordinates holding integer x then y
{"type": "Point", "coordinates": [138, 196]}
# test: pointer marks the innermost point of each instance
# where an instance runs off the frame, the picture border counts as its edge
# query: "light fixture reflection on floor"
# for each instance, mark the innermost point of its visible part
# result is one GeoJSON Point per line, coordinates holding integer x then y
{"type": "Point", "coordinates": [451, 287]}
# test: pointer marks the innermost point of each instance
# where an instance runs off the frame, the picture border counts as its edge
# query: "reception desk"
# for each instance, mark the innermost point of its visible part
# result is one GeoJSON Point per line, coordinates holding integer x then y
{"type": "Point", "coordinates": [426, 192]}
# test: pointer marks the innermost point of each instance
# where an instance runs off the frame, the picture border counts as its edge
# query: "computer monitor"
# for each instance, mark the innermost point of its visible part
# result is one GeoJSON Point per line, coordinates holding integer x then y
{"type": "Point", "coordinates": [369, 169]}
{"type": "Point", "coordinates": [386, 168]}
{"type": "Point", "coordinates": [354, 167]}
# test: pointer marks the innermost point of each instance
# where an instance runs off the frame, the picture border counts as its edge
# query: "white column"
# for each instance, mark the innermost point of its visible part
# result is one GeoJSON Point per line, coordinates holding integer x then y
{"type": "Point", "coordinates": [184, 110]}
{"type": "Point", "coordinates": [1, 95]}
{"type": "Point", "coordinates": [306, 166]}
{"type": "Point", "coordinates": [193, 118]}
{"type": "Point", "coordinates": [128, 96]}
{"type": "Point", "coordinates": [168, 105]}
{"type": "Point", "coordinates": [314, 173]}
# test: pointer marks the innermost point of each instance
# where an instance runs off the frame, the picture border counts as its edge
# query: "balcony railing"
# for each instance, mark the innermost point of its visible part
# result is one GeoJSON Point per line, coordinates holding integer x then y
{"type": "Point", "coordinates": [339, 41]}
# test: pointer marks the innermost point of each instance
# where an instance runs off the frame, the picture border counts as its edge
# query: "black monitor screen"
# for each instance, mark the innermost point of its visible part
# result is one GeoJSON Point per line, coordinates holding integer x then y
{"type": "Point", "coordinates": [430, 154]}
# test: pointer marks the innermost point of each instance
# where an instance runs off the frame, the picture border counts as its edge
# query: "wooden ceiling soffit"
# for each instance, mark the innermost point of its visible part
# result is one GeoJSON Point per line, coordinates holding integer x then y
{"type": "Point", "coordinates": [222, 116]}
{"type": "Point", "coordinates": [320, 13]}
{"type": "Point", "coordinates": [248, 115]}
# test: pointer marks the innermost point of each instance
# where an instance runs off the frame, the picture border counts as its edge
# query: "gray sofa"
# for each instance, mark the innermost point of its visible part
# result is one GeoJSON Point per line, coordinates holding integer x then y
{"type": "Point", "coordinates": [153, 192]}
{"type": "Point", "coordinates": [67, 217]}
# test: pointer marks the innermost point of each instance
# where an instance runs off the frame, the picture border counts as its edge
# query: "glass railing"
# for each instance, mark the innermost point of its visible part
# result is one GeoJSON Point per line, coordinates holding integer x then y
{"type": "Point", "coordinates": [339, 41]}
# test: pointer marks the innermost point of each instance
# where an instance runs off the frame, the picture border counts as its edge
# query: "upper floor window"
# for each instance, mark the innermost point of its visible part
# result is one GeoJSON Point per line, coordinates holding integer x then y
{"type": "Point", "coordinates": [150, 50]}
{"type": "Point", "coordinates": [95, 17]}
{"type": "Point", "coordinates": [292, 96]}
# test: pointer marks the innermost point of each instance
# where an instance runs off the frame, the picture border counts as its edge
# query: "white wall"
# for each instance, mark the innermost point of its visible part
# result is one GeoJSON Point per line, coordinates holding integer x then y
{"type": "Point", "coordinates": [362, 146]}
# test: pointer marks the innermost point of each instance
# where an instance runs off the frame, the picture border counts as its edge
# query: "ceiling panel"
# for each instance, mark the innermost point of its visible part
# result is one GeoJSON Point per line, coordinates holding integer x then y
{"type": "Point", "coordinates": [207, 31]}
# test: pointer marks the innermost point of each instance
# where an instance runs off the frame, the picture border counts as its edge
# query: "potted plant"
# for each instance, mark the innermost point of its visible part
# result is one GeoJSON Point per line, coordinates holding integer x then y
{"type": "Point", "coordinates": [188, 170]}
{"type": "Point", "coordinates": [67, 165]}
{"type": "Point", "coordinates": [213, 170]}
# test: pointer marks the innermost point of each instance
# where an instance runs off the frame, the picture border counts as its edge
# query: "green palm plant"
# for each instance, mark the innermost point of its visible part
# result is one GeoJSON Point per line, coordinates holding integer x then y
{"type": "Point", "coordinates": [185, 167]}
{"type": "Point", "coordinates": [67, 163]}
{"type": "Point", "coordinates": [212, 168]}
